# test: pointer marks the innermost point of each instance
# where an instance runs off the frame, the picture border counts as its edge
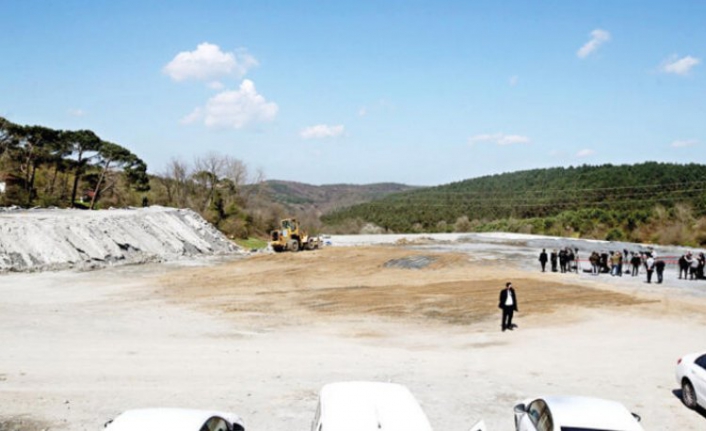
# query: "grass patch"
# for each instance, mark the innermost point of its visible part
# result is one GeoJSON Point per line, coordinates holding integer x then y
{"type": "Point", "coordinates": [251, 243]}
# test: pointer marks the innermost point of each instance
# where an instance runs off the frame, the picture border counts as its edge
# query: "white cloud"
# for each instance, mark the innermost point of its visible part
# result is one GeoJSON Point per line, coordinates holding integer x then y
{"type": "Point", "coordinates": [585, 153]}
{"type": "Point", "coordinates": [216, 85]}
{"type": "Point", "coordinates": [208, 62]}
{"type": "Point", "coordinates": [679, 66]}
{"type": "Point", "coordinates": [499, 139]}
{"type": "Point", "coordinates": [684, 143]}
{"type": "Point", "coordinates": [598, 38]}
{"type": "Point", "coordinates": [513, 80]}
{"type": "Point", "coordinates": [77, 112]}
{"type": "Point", "coordinates": [321, 131]}
{"type": "Point", "coordinates": [234, 108]}
{"type": "Point", "coordinates": [362, 112]}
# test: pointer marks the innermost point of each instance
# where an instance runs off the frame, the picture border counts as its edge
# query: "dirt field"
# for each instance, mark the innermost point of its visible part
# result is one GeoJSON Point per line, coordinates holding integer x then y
{"type": "Point", "coordinates": [259, 336]}
{"type": "Point", "coordinates": [335, 283]}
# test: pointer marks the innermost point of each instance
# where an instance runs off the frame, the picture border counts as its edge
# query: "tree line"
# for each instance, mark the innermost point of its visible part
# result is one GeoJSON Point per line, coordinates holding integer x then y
{"type": "Point", "coordinates": [64, 168]}
{"type": "Point", "coordinates": [43, 167]}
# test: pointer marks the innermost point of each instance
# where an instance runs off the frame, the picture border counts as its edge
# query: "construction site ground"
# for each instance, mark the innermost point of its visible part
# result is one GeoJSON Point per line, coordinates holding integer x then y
{"type": "Point", "coordinates": [260, 335]}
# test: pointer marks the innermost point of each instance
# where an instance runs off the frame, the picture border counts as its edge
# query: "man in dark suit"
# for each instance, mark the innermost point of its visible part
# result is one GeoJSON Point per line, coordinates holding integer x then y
{"type": "Point", "coordinates": [508, 303]}
{"type": "Point", "coordinates": [543, 258]}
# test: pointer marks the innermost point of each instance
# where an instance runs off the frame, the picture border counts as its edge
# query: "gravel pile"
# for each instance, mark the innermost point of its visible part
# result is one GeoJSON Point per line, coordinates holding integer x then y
{"type": "Point", "coordinates": [55, 239]}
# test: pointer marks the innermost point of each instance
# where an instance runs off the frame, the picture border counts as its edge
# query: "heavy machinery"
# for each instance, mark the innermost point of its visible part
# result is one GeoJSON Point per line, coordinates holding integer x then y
{"type": "Point", "coordinates": [291, 237]}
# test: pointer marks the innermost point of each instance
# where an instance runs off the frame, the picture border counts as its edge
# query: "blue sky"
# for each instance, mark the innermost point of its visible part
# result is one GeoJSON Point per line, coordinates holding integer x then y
{"type": "Point", "coordinates": [416, 92]}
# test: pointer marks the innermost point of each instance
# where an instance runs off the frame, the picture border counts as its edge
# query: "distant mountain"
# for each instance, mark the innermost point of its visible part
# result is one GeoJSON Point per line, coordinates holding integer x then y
{"type": "Point", "coordinates": [325, 198]}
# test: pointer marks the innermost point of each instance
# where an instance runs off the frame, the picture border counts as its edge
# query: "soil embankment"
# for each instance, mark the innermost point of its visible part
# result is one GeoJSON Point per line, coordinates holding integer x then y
{"type": "Point", "coordinates": [38, 240]}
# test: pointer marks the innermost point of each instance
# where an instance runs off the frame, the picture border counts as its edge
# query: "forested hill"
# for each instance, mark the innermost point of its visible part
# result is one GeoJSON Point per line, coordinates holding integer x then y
{"type": "Point", "coordinates": [585, 200]}
{"type": "Point", "coordinates": [328, 197]}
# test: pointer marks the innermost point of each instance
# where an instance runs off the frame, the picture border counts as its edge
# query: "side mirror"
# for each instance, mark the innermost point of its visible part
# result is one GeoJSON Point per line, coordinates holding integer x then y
{"type": "Point", "coordinates": [478, 426]}
{"type": "Point", "coordinates": [637, 417]}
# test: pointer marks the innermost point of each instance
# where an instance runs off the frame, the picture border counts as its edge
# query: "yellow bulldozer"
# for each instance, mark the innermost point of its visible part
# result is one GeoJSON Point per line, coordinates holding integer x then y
{"type": "Point", "coordinates": [291, 237]}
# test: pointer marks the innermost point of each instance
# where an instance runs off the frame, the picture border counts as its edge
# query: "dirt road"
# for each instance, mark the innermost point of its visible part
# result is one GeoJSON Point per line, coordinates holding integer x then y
{"type": "Point", "coordinates": [259, 336]}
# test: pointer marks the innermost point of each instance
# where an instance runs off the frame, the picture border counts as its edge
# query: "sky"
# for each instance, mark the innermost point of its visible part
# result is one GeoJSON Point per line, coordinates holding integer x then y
{"type": "Point", "coordinates": [325, 92]}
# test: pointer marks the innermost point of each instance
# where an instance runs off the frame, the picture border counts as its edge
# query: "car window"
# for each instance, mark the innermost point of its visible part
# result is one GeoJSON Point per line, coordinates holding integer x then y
{"type": "Point", "coordinates": [540, 416]}
{"type": "Point", "coordinates": [215, 424]}
{"type": "Point", "coordinates": [701, 361]}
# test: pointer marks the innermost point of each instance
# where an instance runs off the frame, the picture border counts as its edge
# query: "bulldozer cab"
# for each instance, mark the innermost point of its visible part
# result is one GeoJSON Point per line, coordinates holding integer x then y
{"type": "Point", "coordinates": [289, 224]}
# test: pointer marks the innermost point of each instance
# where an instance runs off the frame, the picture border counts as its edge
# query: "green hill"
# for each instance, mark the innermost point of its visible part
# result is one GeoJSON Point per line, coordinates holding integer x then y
{"type": "Point", "coordinates": [607, 201]}
{"type": "Point", "coordinates": [300, 196]}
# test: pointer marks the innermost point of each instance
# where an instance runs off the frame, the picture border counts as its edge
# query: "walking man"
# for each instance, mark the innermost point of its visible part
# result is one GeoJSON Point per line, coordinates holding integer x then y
{"type": "Point", "coordinates": [543, 259]}
{"type": "Point", "coordinates": [508, 303]}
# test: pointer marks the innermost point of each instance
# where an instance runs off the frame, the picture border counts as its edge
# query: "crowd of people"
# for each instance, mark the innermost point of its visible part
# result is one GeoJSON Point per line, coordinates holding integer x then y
{"type": "Point", "coordinates": [619, 263]}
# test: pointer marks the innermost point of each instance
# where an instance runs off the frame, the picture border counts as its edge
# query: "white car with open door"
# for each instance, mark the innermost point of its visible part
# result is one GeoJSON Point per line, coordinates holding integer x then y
{"type": "Point", "coordinates": [169, 419]}
{"type": "Point", "coordinates": [691, 376]}
{"type": "Point", "coordinates": [572, 413]}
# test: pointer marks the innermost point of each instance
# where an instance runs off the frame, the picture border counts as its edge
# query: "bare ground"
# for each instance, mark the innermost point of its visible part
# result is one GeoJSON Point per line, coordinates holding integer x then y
{"type": "Point", "coordinates": [259, 336]}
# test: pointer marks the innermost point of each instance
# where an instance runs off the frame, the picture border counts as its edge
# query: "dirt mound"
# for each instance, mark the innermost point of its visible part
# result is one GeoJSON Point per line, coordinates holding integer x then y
{"type": "Point", "coordinates": [36, 240]}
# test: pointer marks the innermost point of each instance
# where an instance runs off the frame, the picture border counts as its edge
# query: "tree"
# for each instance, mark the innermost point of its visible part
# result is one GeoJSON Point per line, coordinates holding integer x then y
{"type": "Point", "coordinates": [114, 156]}
{"type": "Point", "coordinates": [38, 143]}
{"type": "Point", "coordinates": [83, 146]}
{"type": "Point", "coordinates": [7, 137]}
{"type": "Point", "coordinates": [175, 178]}
{"type": "Point", "coordinates": [209, 170]}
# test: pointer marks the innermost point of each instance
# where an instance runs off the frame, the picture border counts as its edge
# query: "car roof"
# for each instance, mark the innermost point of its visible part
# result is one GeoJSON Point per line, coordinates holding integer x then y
{"type": "Point", "coordinates": [591, 413]}
{"type": "Point", "coordinates": [168, 419]}
{"type": "Point", "coordinates": [370, 406]}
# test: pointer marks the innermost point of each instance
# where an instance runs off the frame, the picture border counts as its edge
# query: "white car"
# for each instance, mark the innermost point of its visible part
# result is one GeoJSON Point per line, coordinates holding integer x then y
{"type": "Point", "coordinates": [691, 376]}
{"type": "Point", "coordinates": [168, 419]}
{"type": "Point", "coordinates": [571, 413]}
{"type": "Point", "coordinates": [368, 406]}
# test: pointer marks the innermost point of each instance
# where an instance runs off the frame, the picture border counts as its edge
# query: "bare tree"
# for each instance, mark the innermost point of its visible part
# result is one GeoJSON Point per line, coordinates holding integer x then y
{"type": "Point", "coordinates": [208, 170]}
{"type": "Point", "coordinates": [175, 180]}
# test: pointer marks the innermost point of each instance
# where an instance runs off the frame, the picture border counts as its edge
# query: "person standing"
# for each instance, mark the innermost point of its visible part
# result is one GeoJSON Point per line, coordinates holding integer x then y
{"type": "Point", "coordinates": [571, 258]}
{"type": "Point", "coordinates": [635, 263]}
{"type": "Point", "coordinates": [683, 267]}
{"type": "Point", "coordinates": [543, 258]}
{"type": "Point", "coordinates": [615, 264]}
{"type": "Point", "coordinates": [553, 259]}
{"type": "Point", "coordinates": [659, 269]}
{"type": "Point", "coordinates": [594, 263]}
{"type": "Point", "coordinates": [693, 267]}
{"type": "Point", "coordinates": [649, 267]}
{"type": "Point", "coordinates": [508, 303]}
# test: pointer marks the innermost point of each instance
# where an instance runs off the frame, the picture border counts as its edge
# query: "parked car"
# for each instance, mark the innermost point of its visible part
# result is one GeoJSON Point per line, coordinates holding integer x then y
{"type": "Point", "coordinates": [169, 419]}
{"type": "Point", "coordinates": [572, 413]}
{"type": "Point", "coordinates": [691, 376]}
{"type": "Point", "coordinates": [368, 406]}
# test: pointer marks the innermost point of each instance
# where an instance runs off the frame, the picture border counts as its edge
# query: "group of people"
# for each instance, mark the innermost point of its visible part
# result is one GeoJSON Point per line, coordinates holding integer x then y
{"type": "Point", "coordinates": [692, 267]}
{"type": "Point", "coordinates": [617, 263]}
{"type": "Point", "coordinates": [564, 260]}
